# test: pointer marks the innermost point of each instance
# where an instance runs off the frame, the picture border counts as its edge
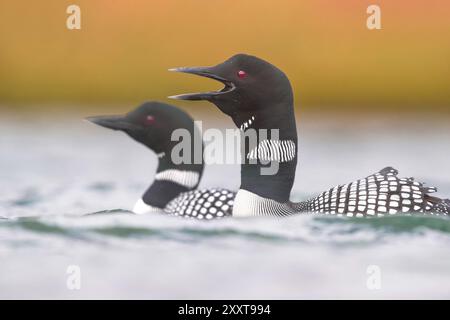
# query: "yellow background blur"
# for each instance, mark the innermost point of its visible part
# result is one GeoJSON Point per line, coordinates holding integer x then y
{"type": "Point", "coordinates": [124, 48]}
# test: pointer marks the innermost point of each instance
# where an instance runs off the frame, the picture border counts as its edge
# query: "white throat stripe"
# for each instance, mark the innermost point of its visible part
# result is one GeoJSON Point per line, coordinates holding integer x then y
{"type": "Point", "coordinates": [273, 150]}
{"type": "Point", "coordinates": [188, 179]}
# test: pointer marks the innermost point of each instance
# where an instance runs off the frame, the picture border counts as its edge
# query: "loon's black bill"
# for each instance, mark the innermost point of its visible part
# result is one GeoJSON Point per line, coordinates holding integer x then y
{"type": "Point", "coordinates": [111, 122]}
{"type": "Point", "coordinates": [207, 72]}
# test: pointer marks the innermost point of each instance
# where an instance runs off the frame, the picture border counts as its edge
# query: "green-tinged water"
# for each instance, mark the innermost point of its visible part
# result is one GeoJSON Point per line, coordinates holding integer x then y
{"type": "Point", "coordinates": [397, 224]}
{"type": "Point", "coordinates": [84, 227]}
{"type": "Point", "coordinates": [62, 180]}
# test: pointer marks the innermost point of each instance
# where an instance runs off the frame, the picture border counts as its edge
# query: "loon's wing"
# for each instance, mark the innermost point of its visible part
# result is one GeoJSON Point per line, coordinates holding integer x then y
{"type": "Point", "coordinates": [202, 204]}
{"type": "Point", "coordinates": [379, 194]}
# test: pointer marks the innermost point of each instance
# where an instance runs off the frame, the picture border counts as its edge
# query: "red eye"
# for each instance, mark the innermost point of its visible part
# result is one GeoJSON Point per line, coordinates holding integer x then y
{"type": "Point", "coordinates": [241, 74]}
{"type": "Point", "coordinates": [149, 119]}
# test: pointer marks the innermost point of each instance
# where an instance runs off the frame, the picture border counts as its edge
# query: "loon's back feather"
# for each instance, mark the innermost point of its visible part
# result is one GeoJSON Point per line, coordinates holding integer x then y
{"type": "Point", "coordinates": [441, 206]}
{"type": "Point", "coordinates": [377, 195]}
{"type": "Point", "coordinates": [382, 193]}
{"type": "Point", "coordinates": [202, 204]}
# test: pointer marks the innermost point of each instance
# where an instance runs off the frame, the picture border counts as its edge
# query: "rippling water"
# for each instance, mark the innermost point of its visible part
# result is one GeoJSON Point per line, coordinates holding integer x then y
{"type": "Point", "coordinates": [56, 172]}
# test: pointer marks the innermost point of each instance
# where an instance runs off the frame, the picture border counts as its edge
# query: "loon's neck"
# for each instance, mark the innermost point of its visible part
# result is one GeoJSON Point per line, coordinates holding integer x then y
{"type": "Point", "coordinates": [170, 181]}
{"type": "Point", "coordinates": [271, 181]}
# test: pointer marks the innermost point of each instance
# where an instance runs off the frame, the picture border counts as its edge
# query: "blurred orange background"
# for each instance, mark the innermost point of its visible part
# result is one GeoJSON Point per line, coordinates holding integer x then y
{"type": "Point", "coordinates": [124, 48]}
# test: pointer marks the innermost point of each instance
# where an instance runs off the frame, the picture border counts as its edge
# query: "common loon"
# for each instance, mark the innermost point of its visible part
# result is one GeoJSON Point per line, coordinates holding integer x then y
{"type": "Point", "coordinates": [173, 190]}
{"type": "Point", "coordinates": [259, 96]}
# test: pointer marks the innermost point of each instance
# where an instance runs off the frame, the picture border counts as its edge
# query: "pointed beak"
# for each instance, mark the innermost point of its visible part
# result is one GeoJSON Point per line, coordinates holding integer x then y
{"type": "Point", "coordinates": [116, 122]}
{"type": "Point", "coordinates": [200, 71]}
{"type": "Point", "coordinates": [207, 72]}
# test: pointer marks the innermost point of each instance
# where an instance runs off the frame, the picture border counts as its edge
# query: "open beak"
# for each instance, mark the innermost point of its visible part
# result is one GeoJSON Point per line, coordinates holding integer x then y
{"type": "Point", "coordinates": [116, 122]}
{"type": "Point", "coordinates": [207, 72]}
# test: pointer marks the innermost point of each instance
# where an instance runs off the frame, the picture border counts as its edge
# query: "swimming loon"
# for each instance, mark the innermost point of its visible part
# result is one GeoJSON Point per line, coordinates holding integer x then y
{"type": "Point", "coordinates": [173, 190]}
{"type": "Point", "coordinates": [257, 95]}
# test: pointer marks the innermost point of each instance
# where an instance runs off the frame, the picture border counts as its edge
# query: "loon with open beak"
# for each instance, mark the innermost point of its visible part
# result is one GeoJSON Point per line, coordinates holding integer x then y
{"type": "Point", "coordinates": [257, 95]}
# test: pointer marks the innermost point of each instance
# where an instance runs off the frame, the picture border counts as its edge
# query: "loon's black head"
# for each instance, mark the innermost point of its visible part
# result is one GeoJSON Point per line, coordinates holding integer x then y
{"type": "Point", "coordinates": [252, 85]}
{"type": "Point", "coordinates": [151, 124]}
{"type": "Point", "coordinates": [257, 95]}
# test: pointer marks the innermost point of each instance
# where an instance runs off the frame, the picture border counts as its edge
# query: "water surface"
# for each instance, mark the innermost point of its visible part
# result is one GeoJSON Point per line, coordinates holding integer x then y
{"type": "Point", "coordinates": [54, 171]}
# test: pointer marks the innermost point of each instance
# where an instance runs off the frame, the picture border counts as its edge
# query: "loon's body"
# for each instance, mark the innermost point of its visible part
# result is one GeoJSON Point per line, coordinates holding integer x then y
{"type": "Point", "coordinates": [383, 193]}
{"type": "Point", "coordinates": [258, 98]}
{"type": "Point", "coordinates": [173, 190]}
{"type": "Point", "coordinates": [202, 204]}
